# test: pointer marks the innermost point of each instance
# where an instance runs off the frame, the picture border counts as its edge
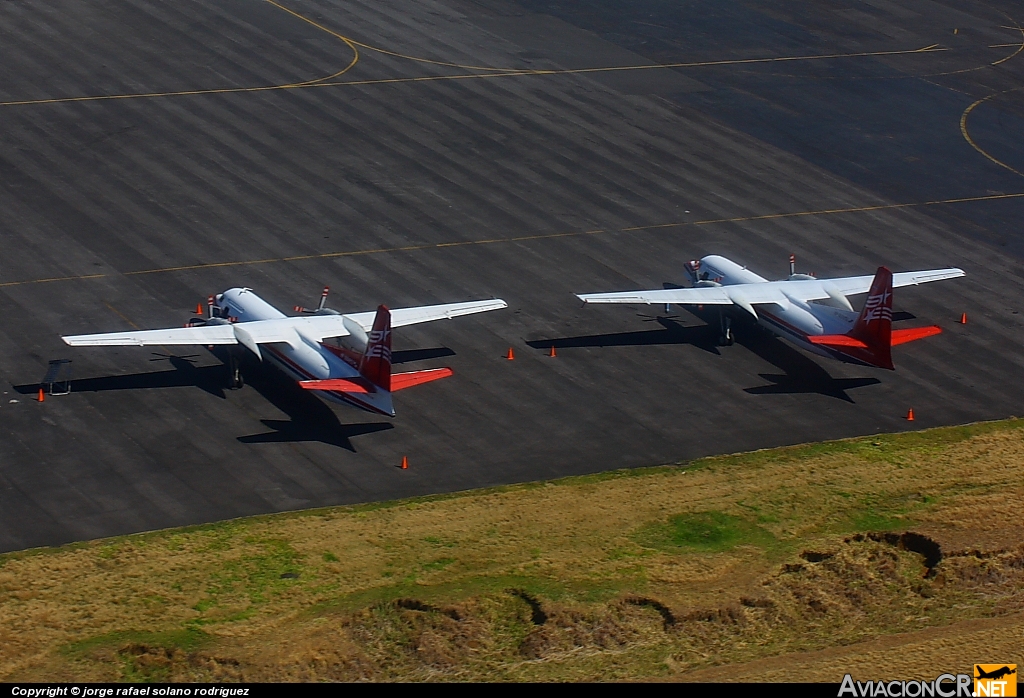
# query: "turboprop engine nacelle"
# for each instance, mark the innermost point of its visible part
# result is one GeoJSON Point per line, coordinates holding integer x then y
{"type": "Point", "coordinates": [357, 338]}
{"type": "Point", "coordinates": [692, 269]}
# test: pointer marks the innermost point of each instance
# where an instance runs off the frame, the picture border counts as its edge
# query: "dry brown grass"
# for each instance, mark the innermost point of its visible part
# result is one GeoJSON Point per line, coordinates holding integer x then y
{"type": "Point", "coordinates": [586, 578]}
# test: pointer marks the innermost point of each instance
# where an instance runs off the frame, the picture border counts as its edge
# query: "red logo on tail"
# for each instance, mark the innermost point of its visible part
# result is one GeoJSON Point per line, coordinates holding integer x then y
{"type": "Point", "coordinates": [874, 326]}
{"type": "Point", "coordinates": [375, 365]}
{"type": "Point", "coordinates": [872, 338]}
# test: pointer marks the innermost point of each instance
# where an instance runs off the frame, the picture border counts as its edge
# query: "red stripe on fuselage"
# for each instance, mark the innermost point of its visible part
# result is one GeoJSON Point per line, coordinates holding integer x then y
{"type": "Point", "coordinates": [306, 375]}
{"type": "Point", "coordinates": [801, 336]}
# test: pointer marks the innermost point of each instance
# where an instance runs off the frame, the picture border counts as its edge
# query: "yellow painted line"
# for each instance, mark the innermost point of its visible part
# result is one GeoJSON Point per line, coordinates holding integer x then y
{"type": "Point", "coordinates": [353, 42]}
{"type": "Point", "coordinates": [522, 238]}
{"type": "Point", "coordinates": [967, 136]}
{"type": "Point", "coordinates": [211, 91]}
{"type": "Point", "coordinates": [121, 315]}
{"type": "Point", "coordinates": [576, 71]}
{"type": "Point", "coordinates": [530, 71]}
{"type": "Point", "coordinates": [1019, 48]}
{"type": "Point", "coordinates": [1012, 55]}
{"type": "Point", "coordinates": [323, 82]}
{"type": "Point", "coordinates": [51, 279]}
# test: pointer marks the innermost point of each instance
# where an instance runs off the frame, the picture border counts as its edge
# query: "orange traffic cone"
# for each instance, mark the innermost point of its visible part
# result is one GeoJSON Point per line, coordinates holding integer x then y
{"type": "Point", "coordinates": [405, 463]}
{"type": "Point", "coordinates": [552, 352]}
{"type": "Point", "coordinates": [199, 309]}
{"type": "Point", "coordinates": [910, 415]}
{"type": "Point", "coordinates": [963, 319]}
{"type": "Point", "coordinates": [511, 355]}
{"type": "Point", "coordinates": [42, 395]}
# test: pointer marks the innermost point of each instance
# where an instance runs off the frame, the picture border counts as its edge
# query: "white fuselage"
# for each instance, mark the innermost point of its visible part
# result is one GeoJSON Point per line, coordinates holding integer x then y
{"type": "Point", "coordinates": [306, 359]}
{"type": "Point", "coordinates": [795, 321]}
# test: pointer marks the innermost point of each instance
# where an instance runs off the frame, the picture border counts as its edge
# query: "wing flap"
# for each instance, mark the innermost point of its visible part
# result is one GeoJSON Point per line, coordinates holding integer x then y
{"type": "Point", "coordinates": [401, 317]}
{"type": "Point", "coordinates": [853, 285]}
{"type": "Point", "coordinates": [704, 295]}
{"type": "Point", "coordinates": [208, 334]}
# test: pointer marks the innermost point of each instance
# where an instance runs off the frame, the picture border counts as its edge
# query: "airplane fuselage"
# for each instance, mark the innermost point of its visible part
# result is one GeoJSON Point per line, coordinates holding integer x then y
{"type": "Point", "coordinates": [795, 321]}
{"type": "Point", "coordinates": [303, 360]}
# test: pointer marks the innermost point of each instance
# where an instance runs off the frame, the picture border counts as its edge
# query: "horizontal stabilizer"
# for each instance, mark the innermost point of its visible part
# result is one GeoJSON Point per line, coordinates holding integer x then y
{"type": "Point", "coordinates": [401, 381]}
{"type": "Point", "coordinates": [837, 340]}
{"type": "Point", "coordinates": [359, 385]}
{"type": "Point", "coordinates": [904, 336]}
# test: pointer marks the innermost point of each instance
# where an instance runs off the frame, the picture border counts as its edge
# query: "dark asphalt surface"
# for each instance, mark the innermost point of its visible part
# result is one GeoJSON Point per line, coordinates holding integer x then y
{"type": "Point", "coordinates": [407, 180]}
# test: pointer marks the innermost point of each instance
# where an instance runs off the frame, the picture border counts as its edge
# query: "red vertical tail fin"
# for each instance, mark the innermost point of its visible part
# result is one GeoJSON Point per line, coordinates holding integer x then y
{"type": "Point", "coordinates": [875, 322]}
{"type": "Point", "coordinates": [375, 366]}
{"type": "Point", "coordinates": [870, 339]}
{"type": "Point", "coordinates": [874, 326]}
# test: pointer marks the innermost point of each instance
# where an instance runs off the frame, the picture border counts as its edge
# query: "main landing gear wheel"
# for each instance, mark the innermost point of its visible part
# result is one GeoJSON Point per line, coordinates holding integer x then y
{"type": "Point", "coordinates": [726, 338]}
{"type": "Point", "coordinates": [235, 380]}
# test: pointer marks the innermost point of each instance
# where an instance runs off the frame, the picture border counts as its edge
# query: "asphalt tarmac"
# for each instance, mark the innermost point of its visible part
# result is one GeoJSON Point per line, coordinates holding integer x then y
{"type": "Point", "coordinates": [152, 153]}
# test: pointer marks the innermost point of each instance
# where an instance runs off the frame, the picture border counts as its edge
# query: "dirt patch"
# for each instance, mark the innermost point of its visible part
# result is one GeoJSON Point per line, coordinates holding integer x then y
{"type": "Point", "coordinates": [667, 572]}
{"type": "Point", "coordinates": [920, 655]}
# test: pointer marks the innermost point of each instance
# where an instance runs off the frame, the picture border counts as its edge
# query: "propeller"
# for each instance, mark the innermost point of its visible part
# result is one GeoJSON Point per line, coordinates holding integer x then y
{"type": "Point", "coordinates": [190, 358]}
{"type": "Point", "coordinates": [793, 276]}
{"type": "Point", "coordinates": [210, 318]}
{"type": "Point", "coordinates": [321, 308]}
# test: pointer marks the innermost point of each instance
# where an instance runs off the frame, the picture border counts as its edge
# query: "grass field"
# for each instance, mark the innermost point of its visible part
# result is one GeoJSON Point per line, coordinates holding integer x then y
{"type": "Point", "coordinates": [888, 553]}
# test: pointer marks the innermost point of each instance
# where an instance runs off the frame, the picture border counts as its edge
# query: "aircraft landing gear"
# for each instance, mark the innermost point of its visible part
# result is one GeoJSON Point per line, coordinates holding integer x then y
{"type": "Point", "coordinates": [235, 380]}
{"type": "Point", "coordinates": [726, 338]}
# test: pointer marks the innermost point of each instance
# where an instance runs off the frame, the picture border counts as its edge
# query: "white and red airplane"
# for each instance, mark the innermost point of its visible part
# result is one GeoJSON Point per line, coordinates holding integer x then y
{"type": "Point", "coordinates": [813, 313]}
{"type": "Point", "coordinates": [356, 370]}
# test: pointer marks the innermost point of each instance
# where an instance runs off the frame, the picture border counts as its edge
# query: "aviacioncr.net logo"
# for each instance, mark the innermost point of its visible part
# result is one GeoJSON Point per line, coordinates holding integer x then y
{"type": "Point", "coordinates": [995, 680]}
{"type": "Point", "coordinates": [945, 686]}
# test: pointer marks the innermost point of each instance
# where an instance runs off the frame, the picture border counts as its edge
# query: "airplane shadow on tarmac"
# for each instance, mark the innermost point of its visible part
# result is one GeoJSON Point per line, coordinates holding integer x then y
{"type": "Point", "coordinates": [211, 379]}
{"type": "Point", "coordinates": [800, 373]}
{"type": "Point", "coordinates": [671, 332]}
{"type": "Point", "coordinates": [311, 419]}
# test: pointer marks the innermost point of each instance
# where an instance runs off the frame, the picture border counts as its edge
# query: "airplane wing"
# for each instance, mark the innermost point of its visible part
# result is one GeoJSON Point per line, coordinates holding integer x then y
{"type": "Point", "coordinates": [853, 285]}
{"type": "Point", "coordinates": [778, 292]}
{"type": "Point", "coordinates": [427, 313]}
{"type": "Point", "coordinates": [209, 334]}
{"type": "Point", "coordinates": [314, 327]}
{"type": "Point", "coordinates": [743, 295]}
{"type": "Point", "coordinates": [704, 295]}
